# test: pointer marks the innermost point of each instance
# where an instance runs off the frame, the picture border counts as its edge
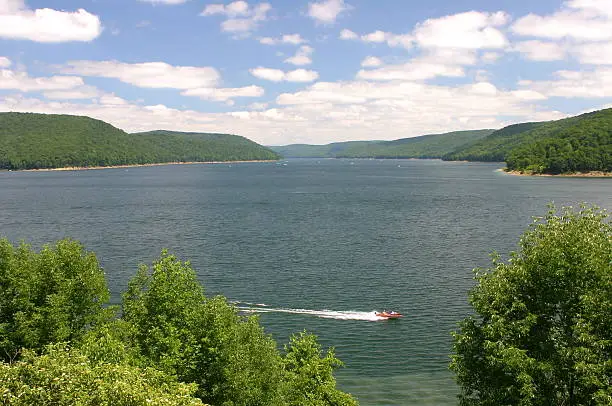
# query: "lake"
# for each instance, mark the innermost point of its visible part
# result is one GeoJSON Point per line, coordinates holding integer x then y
{"type": "Point", "coordinates": [310, 244]}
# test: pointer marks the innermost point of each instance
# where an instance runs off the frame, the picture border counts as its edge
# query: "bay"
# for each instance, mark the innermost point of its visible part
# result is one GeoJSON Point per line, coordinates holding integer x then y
{"type": "Point", "coordinates": [310, 244]}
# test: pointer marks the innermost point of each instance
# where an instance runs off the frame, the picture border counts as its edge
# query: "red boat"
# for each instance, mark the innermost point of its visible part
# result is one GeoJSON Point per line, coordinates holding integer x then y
{"type": "Point", "coordinates": [389, 314]}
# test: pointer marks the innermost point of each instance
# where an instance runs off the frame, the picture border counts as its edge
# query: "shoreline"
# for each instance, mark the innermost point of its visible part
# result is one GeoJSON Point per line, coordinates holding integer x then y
{"type": "Point", "coordinates": [593, 174]}
{"type": "Point", "coordinates": [87, 168]}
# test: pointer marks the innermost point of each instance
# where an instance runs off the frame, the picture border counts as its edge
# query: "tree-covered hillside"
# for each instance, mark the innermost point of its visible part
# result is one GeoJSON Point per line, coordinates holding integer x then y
{"type": "Point", "coordinates": [583, 146]}
{"type": "Point", "coordinates": [425, 146]}
{"type": "Point", "coordinates": [494, 147]}
{"type": "Point", "coordinates": [36, 141]}
{"type": "Point", "coordinates": [576, 144]}
{"type": "Point", "coordinates": [173, 146]}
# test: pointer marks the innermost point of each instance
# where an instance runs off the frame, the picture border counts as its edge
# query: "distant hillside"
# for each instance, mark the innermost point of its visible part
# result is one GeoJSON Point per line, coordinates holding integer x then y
{"type": "Point", "coordinates": [36, 141]}
{"type": "Point", "coordinates": [576, 144]}
{"type": "Point", "coordinates": [173, 146]}
{"type": "Point", "coordinates": [426, 146]}
{"type": "Point", "coordinates": [494, 147]}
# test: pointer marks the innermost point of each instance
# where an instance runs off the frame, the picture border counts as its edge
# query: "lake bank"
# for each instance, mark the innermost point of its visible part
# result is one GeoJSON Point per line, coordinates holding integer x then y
{"type": "Point", "coordinates": [593, 174]}
{"type": "Point", "coordinates": [85, 168]}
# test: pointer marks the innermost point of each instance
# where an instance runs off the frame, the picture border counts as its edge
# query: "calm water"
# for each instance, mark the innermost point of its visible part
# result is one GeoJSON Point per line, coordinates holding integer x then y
{"type": "Point", "coordinates": [320, 243]}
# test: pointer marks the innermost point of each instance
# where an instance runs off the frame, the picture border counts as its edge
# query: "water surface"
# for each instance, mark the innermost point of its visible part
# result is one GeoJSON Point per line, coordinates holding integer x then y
{"type": "Point", "coordinates": [313, 244]}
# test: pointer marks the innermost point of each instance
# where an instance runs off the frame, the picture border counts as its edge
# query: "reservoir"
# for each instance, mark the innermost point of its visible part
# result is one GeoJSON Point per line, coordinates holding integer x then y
{"type": "Point", "coordinates": [310, 244]}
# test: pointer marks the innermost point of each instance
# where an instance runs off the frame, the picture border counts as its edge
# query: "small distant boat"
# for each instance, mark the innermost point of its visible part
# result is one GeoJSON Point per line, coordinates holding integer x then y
{"type": "Point", "coordinates": [389, 314]}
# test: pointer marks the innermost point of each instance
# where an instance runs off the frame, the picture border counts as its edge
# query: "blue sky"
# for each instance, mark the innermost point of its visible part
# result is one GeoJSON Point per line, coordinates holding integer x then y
{"type": "Point", "coordinates": [282, 72]}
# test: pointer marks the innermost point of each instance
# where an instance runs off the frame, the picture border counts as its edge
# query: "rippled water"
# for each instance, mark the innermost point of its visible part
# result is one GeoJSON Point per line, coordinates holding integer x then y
{"type": "Point", "coordinates": [317, 245]}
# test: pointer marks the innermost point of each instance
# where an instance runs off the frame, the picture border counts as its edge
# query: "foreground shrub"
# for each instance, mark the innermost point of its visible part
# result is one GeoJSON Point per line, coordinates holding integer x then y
{"type": "Point", "coordinates": [543, 330]}
{"type": "Point", "coordinates": [55, 295]}
{"type": "Point", "coordinates": [63, 376]}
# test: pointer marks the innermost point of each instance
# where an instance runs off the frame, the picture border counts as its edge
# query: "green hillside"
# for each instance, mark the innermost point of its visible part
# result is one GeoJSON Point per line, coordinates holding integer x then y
{"type": "Point", "coordinates": [172, 146]}
{"type": "Point", "coordinates": [315, 151]}
{"type": "Point", "coordinates": [576, 144]}
{"type": "Point", "coordinates": [426, 146]}
{"type": "Point", "coordinates": [36, 141]}
{"type": "Point", "coordinates": [494, 147]}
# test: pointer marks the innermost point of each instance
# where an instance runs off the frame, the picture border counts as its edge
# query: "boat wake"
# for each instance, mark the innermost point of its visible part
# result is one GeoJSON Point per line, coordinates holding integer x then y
{"type": "Point", "coordinates": [325, 314]}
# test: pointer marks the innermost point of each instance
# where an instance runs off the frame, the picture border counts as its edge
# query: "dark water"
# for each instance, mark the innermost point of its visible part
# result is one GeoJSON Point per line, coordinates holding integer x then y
{"type": "Point", "coordinates": [321, 243]}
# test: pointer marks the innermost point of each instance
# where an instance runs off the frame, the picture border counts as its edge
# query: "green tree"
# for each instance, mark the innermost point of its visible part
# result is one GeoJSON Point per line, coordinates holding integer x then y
{"type": "Point", "coordinates": [55, 295]}
{"type": "Point", "coordinates": [309, 374]}
{"type": "Point", "coordinates": [543, 330]}
{"type": "Point", "coordinates": [200, 340]}
{"type": "Point", "coordinates": [64, 376]}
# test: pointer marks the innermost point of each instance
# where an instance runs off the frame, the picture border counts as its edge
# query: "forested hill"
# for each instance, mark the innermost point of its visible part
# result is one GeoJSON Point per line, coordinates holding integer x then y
{"type": "Point", "coordinates": [576, 144]}
{"type": "Point", "coordinates": [37, 141]}
{"type": "Point", "coordinates": [190, 146]}
{"type": "Point", "coordinates": [425, 146]}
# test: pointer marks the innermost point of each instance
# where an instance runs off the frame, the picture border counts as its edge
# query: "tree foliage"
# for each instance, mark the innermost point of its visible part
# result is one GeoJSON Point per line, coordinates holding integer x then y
{"type": "Point", "coordinates": [575, 144]}
{"type": "Point", "coordinates": [167, 332]}
{"type": "Point", "coordinates": [309, 374]}
{"type": "Point", "coordinates": [35, 141]}
{"type": "Point", "coordinates": [542, 333]}
{"type": "Point", "coordinates": [63, 376]}
{"type": "Point", "coordinates": [55, 295]}
{"type": "Point", "coordinates": [200, 340]}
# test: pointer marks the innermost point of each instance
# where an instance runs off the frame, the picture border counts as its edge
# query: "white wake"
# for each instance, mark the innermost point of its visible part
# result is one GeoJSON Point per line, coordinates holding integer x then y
{"type": "Point", "coordinates": [326, 314]}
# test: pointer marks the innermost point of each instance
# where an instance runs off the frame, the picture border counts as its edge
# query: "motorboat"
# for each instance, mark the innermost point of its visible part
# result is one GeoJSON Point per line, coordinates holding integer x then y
{"type": "Point", "coordinates": [389, 314]}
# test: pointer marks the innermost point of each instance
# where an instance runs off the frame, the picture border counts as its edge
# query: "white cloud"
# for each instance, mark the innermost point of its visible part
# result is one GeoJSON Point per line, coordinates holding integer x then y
{"type": "Point", "coordinates": [11, 6]}
{"type": "Point", "coordinates": [581, 20]}
{"type": "Point", "coordinates": [241, 17]}
{"type": "Point", "coordinates": [45, 24]}
{"type": "Point", "coordinates": [170, 2]}
{"type": "Point", "coordinates": [277, 75]}
{"type": "Point", "coordinates": [302, 56]}
{"type": "Point", "coordinates": [5, 62]}
{"type": "Point", "coordinates": [301, 75]}
{"type": "Point", "coordinates": [443, 62]}
{"type": "Point", "coordinates": [224, 94]}
{"type": "Point", "coordinates": [411, 71]}
{"type": "Point", "coordinates": [148, 74]}
{"type": "Point", "coordinates": [326, 11]}
{"type": "Point", "coordinates": [490, 57]}
{"type": "Point", "coordinates": [601, 7]}
{"type": "Point", "coordinates": [393, 40]}
{"type": "Point", "coordinates": [258, 106]}
{"type": "Point", "coordinates": [536, 50]}
{"type": "Point", "coordinates": [348, 35]}
{"type": "Point", "coordinates": [293, 39]}
{"type": "Point", "coordinates": [15, 80]}
{"type": "Point", "coordinates": [592, 84]}
{"type": "Point", "coordinates": [527, 94]}
{"type": "Point", "coordinates": [470, 30]}
{"type": "Point", "coordinates": [273, 75]}
{"type": "Point", "coordinates": [597, 53]}
{"type": "Point", "coordinates": [235, 9]}
{"type": "Point", "coordinates": [80, 92]}
{"type": "Point", "coordinates": [371, 62]}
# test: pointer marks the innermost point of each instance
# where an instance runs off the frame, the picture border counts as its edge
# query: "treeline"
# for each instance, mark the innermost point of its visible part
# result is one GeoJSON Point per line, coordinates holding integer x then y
{"type": "Point", "coordinates": [425, 146]}
{"type": "Point", "coordinates": [38, 141]}
{"type": "Point", "coordinates": [575, 144]}
{"type": "Point", "coordinates": [166, 344]}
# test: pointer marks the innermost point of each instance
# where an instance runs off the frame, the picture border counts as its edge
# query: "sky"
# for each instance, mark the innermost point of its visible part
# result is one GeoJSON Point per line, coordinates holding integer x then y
{"type": "Point", "coordinates": [290, 71]}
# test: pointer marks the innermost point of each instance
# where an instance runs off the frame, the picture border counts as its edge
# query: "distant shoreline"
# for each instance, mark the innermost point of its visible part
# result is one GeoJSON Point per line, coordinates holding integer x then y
{"type": "Point", "coordinates": [592, 174]}
{"type": "Point", "coordinates": [86, 168]}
